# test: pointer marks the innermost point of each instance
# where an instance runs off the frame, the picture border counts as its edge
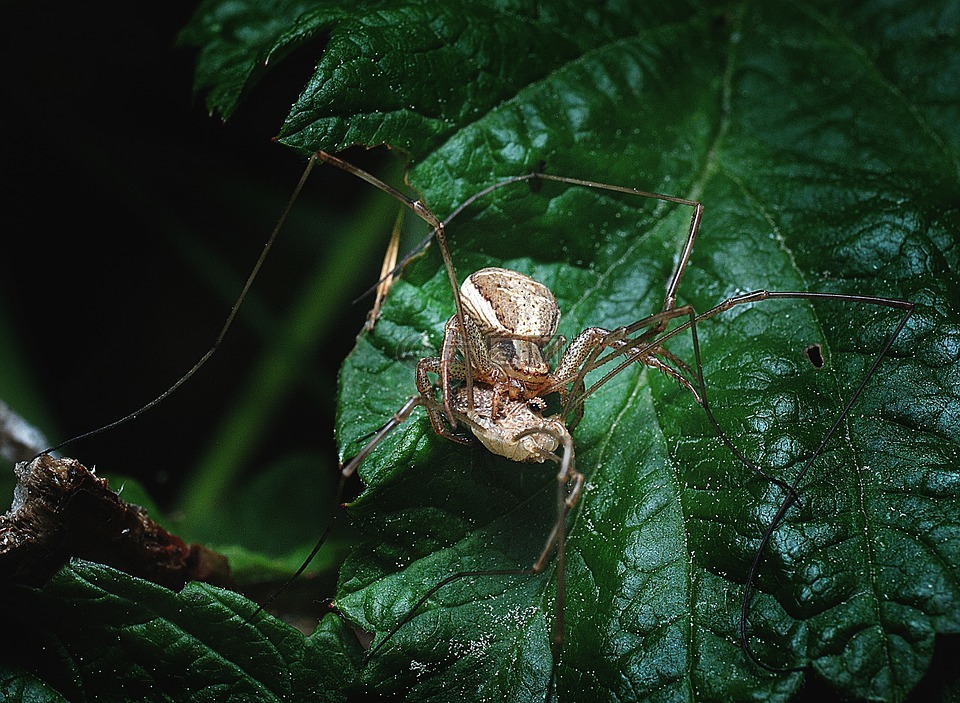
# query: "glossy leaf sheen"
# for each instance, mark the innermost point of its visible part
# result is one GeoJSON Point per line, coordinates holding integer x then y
{"type": "Point", "coordinates": [824, 144]}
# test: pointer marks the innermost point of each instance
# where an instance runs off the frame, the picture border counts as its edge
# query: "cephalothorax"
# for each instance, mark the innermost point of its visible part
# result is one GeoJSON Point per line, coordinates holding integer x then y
{"type": "Point", "coordinates": [509, 319]}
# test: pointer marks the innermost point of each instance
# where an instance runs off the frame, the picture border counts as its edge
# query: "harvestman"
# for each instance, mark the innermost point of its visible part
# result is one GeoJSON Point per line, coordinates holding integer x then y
{"type": "Point", "coordinates": [498, 342]}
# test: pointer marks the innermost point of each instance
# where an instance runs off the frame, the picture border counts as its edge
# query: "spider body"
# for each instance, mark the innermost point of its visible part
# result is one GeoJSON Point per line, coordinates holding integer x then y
{"type": "Point", "coordinates": [508, 333]}
{"type": "Point", "coordinates": [516, 316]}
{"type": "Point", "coordinates": [508, 321]}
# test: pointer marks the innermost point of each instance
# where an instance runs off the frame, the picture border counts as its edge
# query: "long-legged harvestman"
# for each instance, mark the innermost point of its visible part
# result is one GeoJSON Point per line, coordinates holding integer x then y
{"type": "Point", "coordinates": [490, 393]}
{"type": "Point", "coordinates": [496, 347]}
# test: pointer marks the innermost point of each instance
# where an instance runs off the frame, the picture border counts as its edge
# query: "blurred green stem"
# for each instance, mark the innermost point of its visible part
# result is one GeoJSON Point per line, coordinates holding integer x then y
{"type": "Point", "coordinates": [286, 356]}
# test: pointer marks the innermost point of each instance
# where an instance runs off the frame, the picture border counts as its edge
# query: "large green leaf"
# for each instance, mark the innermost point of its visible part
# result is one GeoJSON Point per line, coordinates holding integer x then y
{"type": "Point", "coordinates": [824, 144]}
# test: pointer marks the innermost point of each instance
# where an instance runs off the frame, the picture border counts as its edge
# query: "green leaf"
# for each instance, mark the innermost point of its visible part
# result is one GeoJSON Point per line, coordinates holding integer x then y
{"type": "Point", "coordinates": [270, 524]}
{"type": "Point", "coordinates": [823, 141]}
{"type": "Point", "coordinates": [18, 685]}
{"type": "Point", "coordinates": [115, 637]}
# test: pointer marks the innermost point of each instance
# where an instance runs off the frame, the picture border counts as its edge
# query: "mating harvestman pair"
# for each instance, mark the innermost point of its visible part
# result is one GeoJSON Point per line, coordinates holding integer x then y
{"type": "Point", "coordinates": [494, 376]}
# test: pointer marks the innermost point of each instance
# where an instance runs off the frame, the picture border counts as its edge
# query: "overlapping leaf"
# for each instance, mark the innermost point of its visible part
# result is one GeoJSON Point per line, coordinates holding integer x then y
{"type": "Point", "coordinates": [117, 638]}
{"type": "Point", "coordinates": [824, 143]}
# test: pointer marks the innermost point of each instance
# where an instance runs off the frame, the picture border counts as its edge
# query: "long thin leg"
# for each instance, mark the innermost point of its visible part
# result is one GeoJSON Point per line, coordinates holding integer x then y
{"type": "Point", "coordinates": [223, 330]}
{"type": "Point", "coordinates": [647, 351]}
{"type": "Point", "coordinates": [539, 175]}
{"type": "Point", "coordinates": [386, 272]}
{"type": "Point", "coordinates": [346, 472]}
{"type": "Point", "coordinates": [621, 345]}
{"type": "Point", "coordinates": [641, 349]}
{"type": "Point", "coordinates": [423, 212]}
{"type": "Point", "coordinates": [569, 486]}
{"type": "Point", "coordinates": [398, 418]}
{"type": "Point", "coordinates": [633, 351]}
{"type": "Point", "coordinates": [434, 364]}
{"type": "Point", "coordinates": [673, 284]}
{"type": "Point", "coordinates": [422, 244]}
{"type": "Point", "coordinates": [907, 307]}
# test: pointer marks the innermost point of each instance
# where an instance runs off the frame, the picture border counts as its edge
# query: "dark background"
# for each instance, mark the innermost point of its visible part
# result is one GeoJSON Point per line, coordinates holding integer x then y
{"type": "Point", "coordinates": [117, 182]}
